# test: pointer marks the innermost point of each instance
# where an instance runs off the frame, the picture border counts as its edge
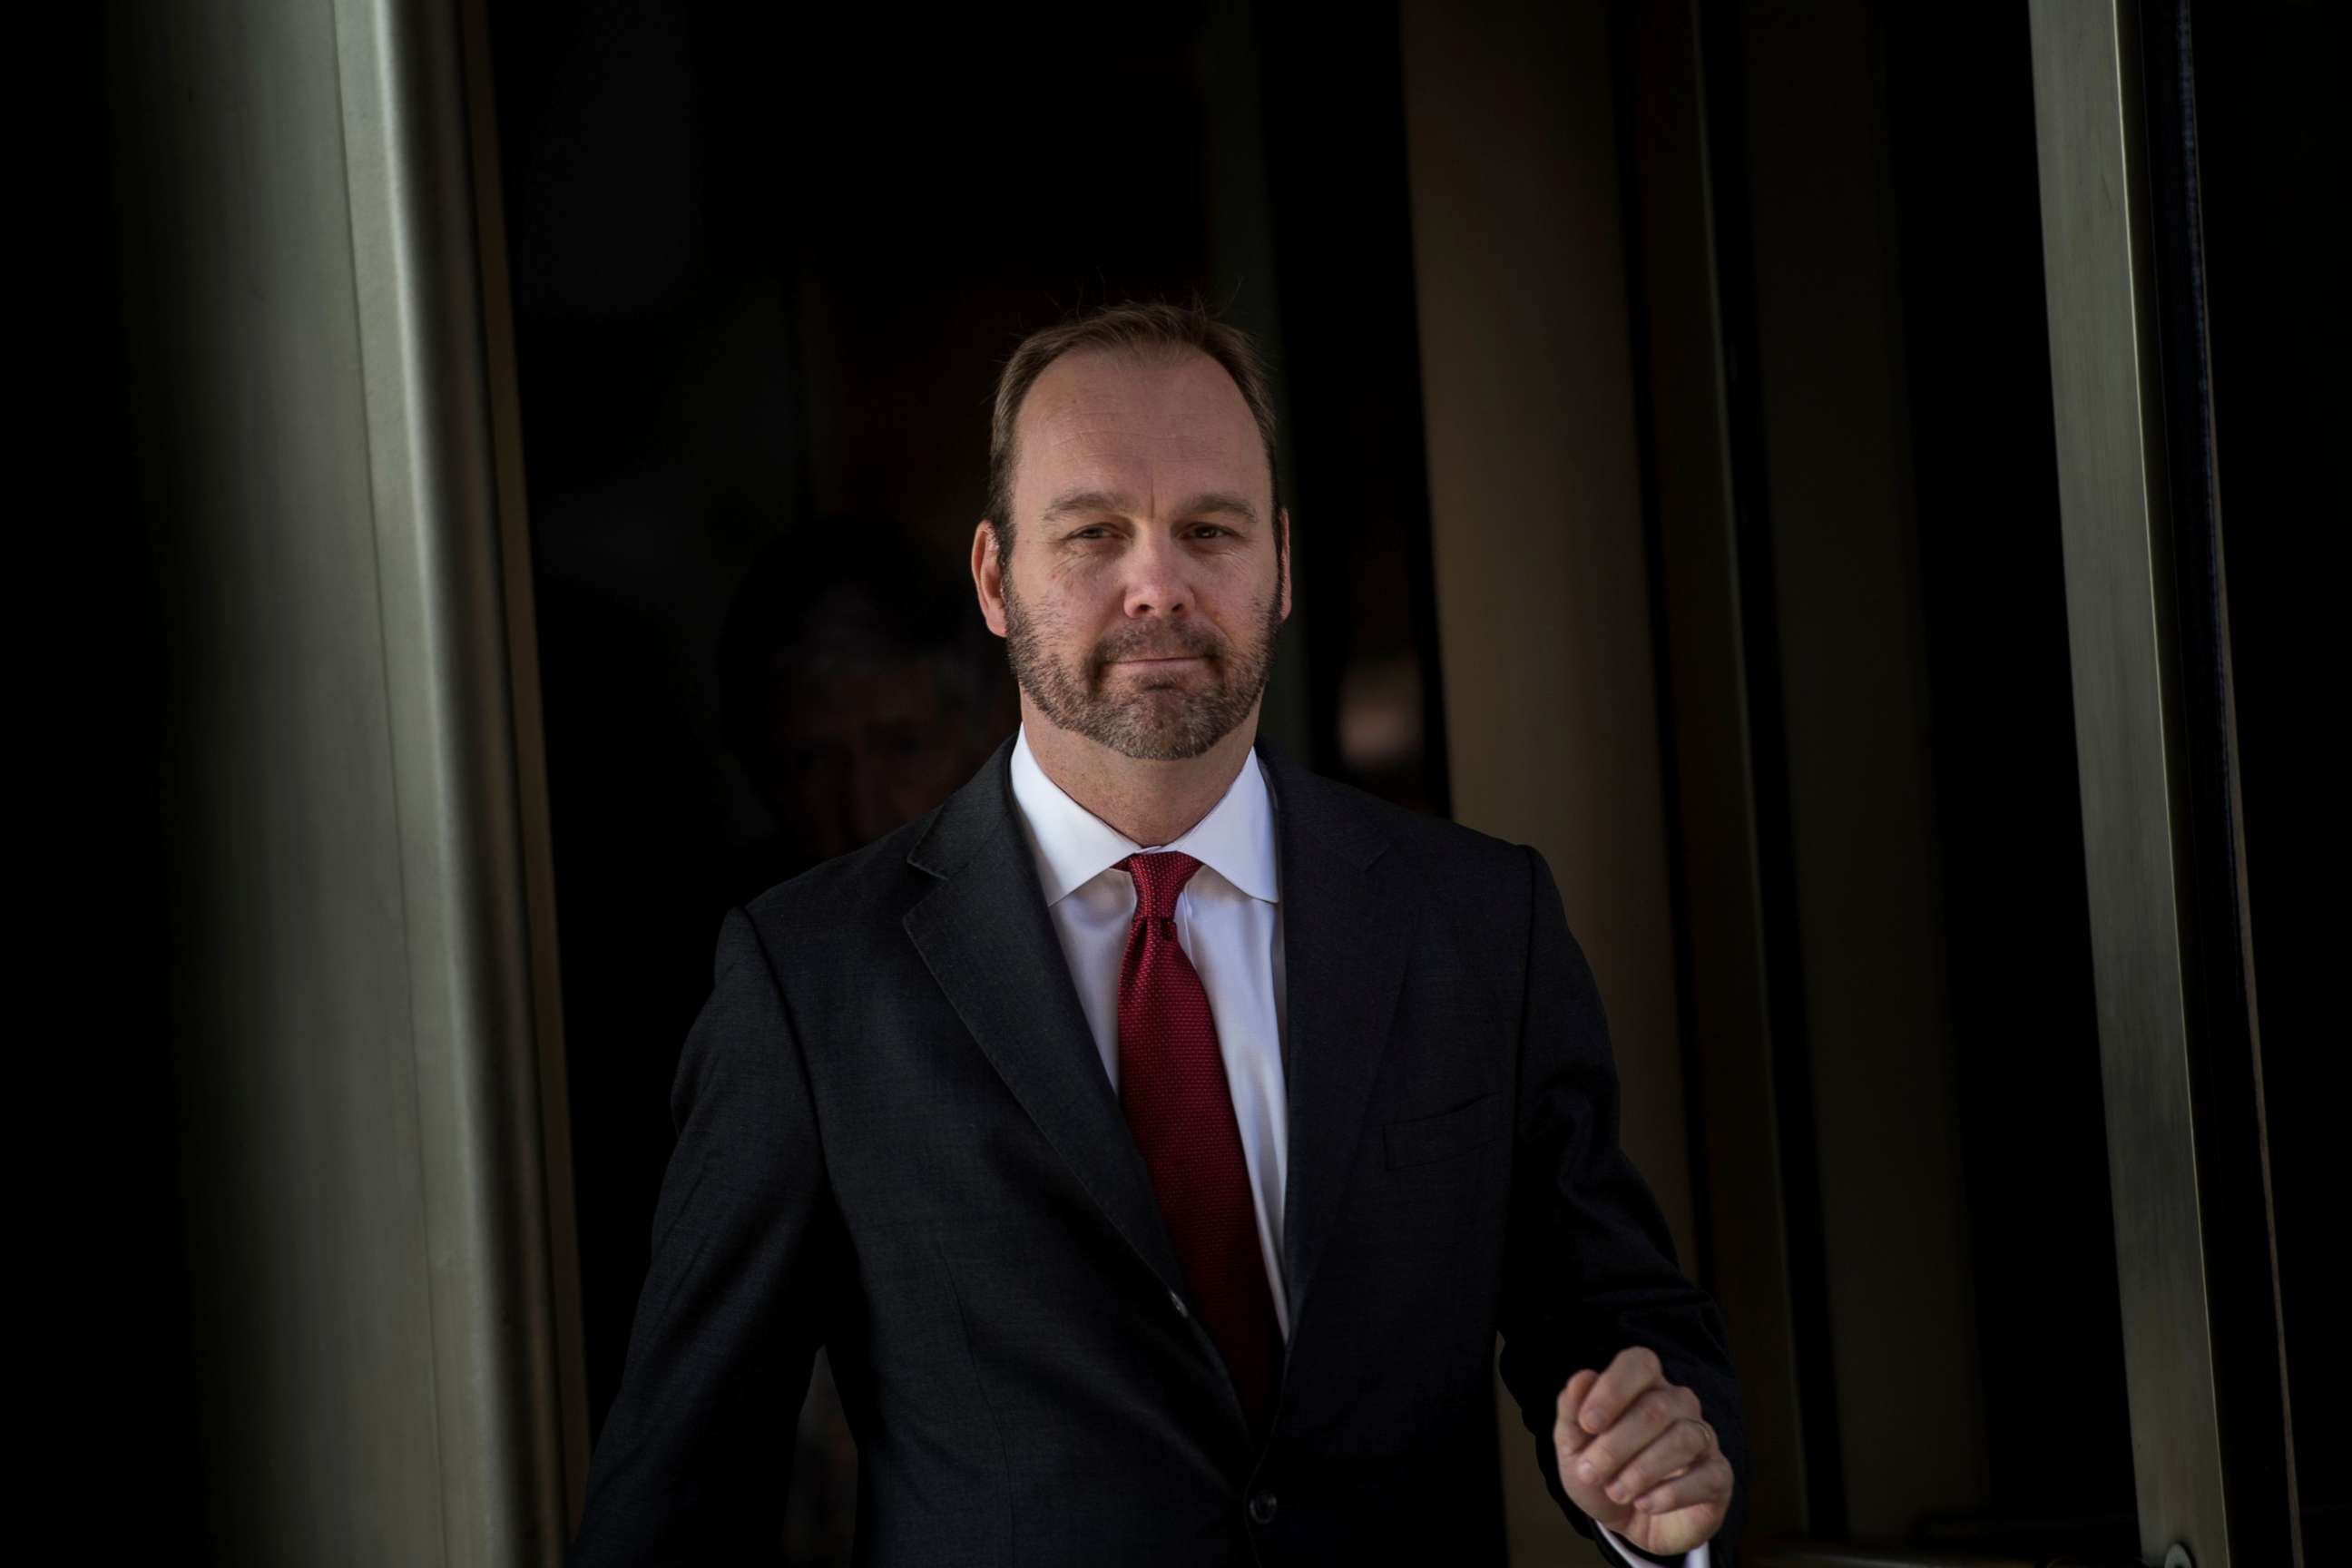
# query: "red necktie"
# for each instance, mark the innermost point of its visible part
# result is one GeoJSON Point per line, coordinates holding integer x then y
{"type": "Point", "coordinates": [1172, 1083]}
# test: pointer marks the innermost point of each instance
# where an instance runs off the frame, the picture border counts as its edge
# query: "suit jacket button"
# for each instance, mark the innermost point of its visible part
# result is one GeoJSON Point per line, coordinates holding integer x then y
{"type": "Point", "coordinates": [1261, 1508]}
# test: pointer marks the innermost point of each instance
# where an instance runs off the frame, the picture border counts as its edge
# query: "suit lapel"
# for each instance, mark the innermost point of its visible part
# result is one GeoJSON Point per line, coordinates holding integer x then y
{"type": "Point", "coordinates": [988, 940]}
{"type": "Point", "coordinates": [1350, 913]}
{"type": "Point", "coordinates": [1349, 916]}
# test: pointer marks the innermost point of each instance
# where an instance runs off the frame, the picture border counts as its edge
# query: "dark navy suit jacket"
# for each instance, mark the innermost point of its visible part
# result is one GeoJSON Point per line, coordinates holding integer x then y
{"type": "Point", "coordinates": [895, 1139]}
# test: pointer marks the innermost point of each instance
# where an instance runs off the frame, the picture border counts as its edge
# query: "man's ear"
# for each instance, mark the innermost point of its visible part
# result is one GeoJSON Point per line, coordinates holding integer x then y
{"type": "Point", "coordinates": [1282, 521]}
{"type": "Point", "coordinates": [988, 576]}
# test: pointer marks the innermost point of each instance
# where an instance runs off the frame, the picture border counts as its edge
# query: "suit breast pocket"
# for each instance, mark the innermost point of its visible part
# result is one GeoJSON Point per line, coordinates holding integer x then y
{"type": "Point", "coordinates": [1424, 1139]}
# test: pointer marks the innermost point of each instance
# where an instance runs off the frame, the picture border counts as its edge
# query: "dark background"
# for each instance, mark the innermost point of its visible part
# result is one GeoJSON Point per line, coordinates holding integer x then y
{"type": "Point", "coordinates": [764, 265]}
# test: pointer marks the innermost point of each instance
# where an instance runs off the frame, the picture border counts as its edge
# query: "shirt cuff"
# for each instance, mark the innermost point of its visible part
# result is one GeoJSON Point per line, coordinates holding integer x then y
{"type": "Point", "coordinates": [1697, 1557]}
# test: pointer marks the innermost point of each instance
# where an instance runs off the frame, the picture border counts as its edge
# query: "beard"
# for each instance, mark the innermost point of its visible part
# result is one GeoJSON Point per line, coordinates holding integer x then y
{"type": "Point", "coordinates": [1150, 717]}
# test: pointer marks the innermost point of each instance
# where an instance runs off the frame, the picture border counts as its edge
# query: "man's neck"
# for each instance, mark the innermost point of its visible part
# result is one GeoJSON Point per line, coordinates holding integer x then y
{"type": "Point", "coordinates": [1151, 803]}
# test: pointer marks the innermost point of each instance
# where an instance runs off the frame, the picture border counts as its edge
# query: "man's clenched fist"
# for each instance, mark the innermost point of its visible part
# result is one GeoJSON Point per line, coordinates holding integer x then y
{"type": "Point", "coordinates": [1635, 1454]}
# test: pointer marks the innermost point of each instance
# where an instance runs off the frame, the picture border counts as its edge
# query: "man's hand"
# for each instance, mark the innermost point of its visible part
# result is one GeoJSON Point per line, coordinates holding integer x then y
{"type": "Point", "coordinates": [1635, 1454]}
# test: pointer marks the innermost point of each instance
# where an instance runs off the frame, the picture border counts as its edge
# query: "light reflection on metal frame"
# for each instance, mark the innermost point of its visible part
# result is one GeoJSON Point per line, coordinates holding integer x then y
{"type": "Point", "coordinates": [464, 777]}
{"type": "Point", "coordinates": [2107, 404]}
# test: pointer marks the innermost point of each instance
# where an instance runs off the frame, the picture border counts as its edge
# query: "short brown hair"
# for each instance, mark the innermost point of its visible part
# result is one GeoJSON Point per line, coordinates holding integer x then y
{"type": "Point", "coordinates": [1131, 327]}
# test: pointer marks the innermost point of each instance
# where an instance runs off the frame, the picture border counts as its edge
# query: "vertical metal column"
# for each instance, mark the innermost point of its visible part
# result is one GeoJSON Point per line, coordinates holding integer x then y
{"type": "Point", "coordinates": [2108, 397]}
{"type": "Point", "coordinates": [371, 1172]}
{"type": "Point", "coordinates": [445, 594]}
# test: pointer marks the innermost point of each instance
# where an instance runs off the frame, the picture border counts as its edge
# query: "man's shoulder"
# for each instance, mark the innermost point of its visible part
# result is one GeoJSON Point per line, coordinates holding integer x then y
{"type": "Point", "coordinates": [1438, 847]}
{"type": "Point", "coordinates": [846, 892]}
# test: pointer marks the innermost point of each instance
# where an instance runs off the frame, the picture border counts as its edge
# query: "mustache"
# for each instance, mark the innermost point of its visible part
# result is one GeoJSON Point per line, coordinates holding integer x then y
{"type": "Point", "coordinates": [1206, 644]}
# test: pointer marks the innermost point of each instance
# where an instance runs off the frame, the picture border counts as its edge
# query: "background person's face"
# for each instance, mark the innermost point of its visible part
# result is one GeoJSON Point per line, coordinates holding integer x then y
{"type": "Point", "coordinates": [1142, 599]}
{"type": "Point", "coordinates": [859, 746]}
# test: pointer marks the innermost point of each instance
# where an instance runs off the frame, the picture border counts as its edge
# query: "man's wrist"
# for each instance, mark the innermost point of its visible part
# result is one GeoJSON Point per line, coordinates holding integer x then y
{"type": "Point", "coordinates": [1635, 1554]}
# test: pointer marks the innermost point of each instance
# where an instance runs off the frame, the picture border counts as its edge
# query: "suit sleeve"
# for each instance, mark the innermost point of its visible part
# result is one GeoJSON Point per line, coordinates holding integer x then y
{"type": "Point", "coordinates": [1589, 1264]}
{"type": "Point", "coordinates": [694, 1459]}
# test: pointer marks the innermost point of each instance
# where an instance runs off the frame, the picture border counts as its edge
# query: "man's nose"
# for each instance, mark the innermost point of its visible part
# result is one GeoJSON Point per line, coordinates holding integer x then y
{"type": "Point", "coordinates": [1158, 581]}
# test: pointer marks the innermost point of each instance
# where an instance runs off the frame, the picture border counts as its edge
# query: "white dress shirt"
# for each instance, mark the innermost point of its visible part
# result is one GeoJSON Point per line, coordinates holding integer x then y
{"type": "Point", "coordinates": [1229, 923]}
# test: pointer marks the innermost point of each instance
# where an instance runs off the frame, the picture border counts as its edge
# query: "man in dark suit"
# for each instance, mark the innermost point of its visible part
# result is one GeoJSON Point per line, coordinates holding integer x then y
{"type": "Point", "coordinates": [1158, 1134]}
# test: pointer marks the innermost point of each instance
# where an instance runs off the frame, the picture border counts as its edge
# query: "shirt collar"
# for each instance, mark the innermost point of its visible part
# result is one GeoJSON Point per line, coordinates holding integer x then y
{"type": "Point", "coordinates": [1073, 846]}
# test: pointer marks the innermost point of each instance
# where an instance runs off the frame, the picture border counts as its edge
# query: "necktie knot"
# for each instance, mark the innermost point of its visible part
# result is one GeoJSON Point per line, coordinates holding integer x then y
{"type": "Point", "coordinates": [1158, 877]}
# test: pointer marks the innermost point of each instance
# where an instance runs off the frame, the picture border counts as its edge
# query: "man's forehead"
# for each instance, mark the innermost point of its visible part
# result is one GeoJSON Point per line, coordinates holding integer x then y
{"type": "Point", "coordinates": [1097, 408]}
{"type": "Point", "coordinates": [1180, 393]}
{"type": "Point", "coordinates": [1115, 436]}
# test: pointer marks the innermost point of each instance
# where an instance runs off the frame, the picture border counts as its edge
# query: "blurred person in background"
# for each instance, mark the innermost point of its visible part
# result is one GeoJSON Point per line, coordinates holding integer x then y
{"type": "Point", "coordinates": [856, 689]}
